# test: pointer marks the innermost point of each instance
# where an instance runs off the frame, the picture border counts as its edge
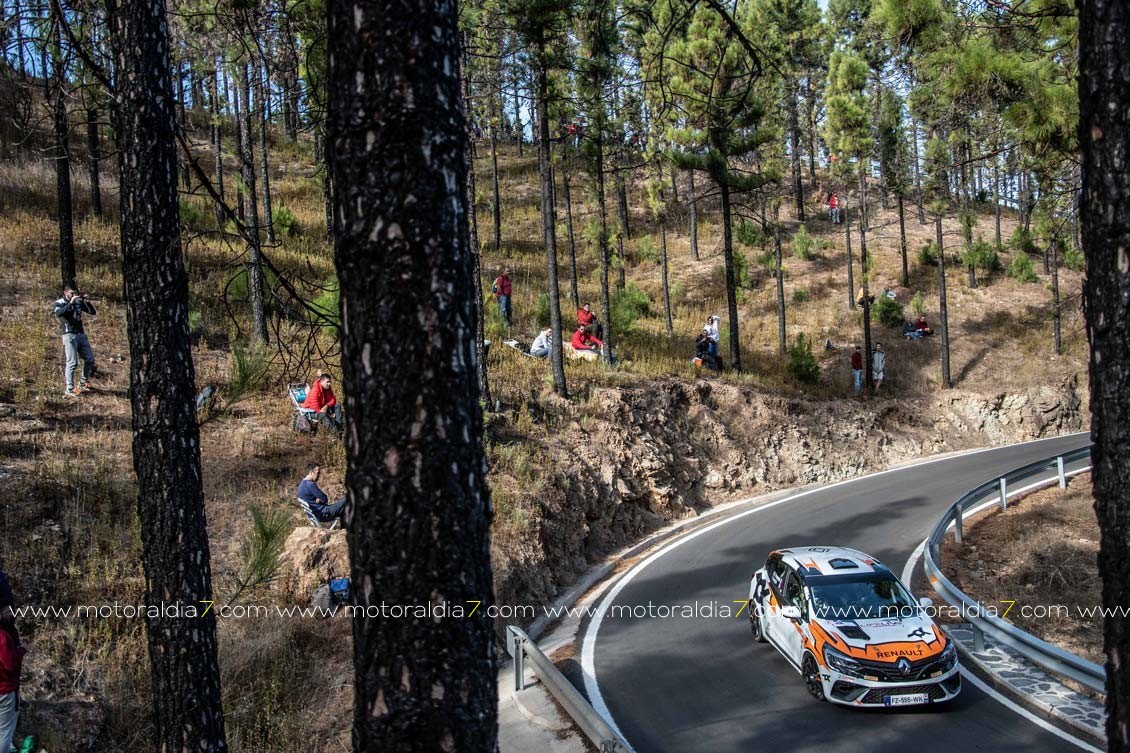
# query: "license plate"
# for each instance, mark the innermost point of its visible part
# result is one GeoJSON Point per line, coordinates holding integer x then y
{"type": "Point", "coordinates": [911, 699]}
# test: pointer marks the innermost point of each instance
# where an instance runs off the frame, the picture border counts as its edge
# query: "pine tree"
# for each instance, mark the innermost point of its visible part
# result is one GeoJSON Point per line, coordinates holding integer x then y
{"type": "Point", "coordinates": [894, 163]}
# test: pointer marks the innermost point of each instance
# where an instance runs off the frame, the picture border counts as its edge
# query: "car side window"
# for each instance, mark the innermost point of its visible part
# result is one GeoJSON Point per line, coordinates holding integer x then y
{"type": "Point", "coordinates": [776, 571]}
{"type": "Point", "coordinates": [794, 592]}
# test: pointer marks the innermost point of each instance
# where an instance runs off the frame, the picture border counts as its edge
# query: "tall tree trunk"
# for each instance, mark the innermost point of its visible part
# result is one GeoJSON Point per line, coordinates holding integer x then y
{"type": "Point", "coordinates": [251, 213]}
{"type": "Point", "coordinates": [943, 312]}
{"type": "Point", "coordinates": [902, 242]}
{"type": "Point", "coordinates": [518, 130]}
{"type": "Point", "coordinates": [327, 183]}
{"type": "Point", "coordinates": [239, 153]}
{"type": "Point", "coordinates": [847, 242]}
{"type": "Point", "coordinates": [997, 202]}
{"type": "Point", "coordinates": [496, 201]}
{"type": "Point", "coordinates": [572, 236]}
{"type": "Point", "coordinates": [1104, 138]}
{"type": "Point", "coordinates": [20, 40]}
{"type": "Point", "coordinates": [262, 89]}
{"type": "Point", "coordinates": [549, 224]}
{"type": "Point", "coordinates": [731, 281]}
{"type": "Point", "coordinates": [779, 275]}
{"type": "Point", "coordinates": [604, 250]}
{"type": "Point", "coordinates": [1057, 328]}
{"type": "Point", "coordinates": [181, 124]}
{"type": "Point", "coordinates": [472, 227]}
{"type": "Point", "coordinates": [217, 149]}
{"type": "Point", "coordinates": [811, 107]}
{"type": "Point", "coordinates": [186, 699]}
{"type": "Point", "coordinates": [794, 146]}
{"type": "Point", "coordinates": [694, 217]}
{"type": "Point", "coordinates": [865, 277]}
{"type": "Point", "coordinates": [65, 209]}
{"type": "Point", "coordinates": [917, 173]}
{"type": "Point", "coordinates": [415, 469]}
{"type": "Point", "coordinates": [621, 271]}
{"type": "Point", "coordinates": [674, 184]}
{"type": "Point", "coordinates": [622, 205]}
{"type": "Point", "coordinates": [94, 156]}
{"type": "Point", "coordinates": [663, 276]}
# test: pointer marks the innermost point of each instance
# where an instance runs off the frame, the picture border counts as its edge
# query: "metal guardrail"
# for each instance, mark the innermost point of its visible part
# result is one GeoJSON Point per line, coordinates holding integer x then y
{"type": "Point", "coordinates": [596, 727]}
{"type": "Point", "coordinates": [1054, 658]}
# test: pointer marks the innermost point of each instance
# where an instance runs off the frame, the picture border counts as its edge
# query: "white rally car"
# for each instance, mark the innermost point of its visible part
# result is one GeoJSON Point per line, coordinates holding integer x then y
{"type": "Point", "coordinates": [846, 623]}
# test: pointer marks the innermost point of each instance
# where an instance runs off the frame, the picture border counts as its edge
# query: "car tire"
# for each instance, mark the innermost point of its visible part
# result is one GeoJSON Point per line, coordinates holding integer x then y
{"type": "Point", "coordinates": [755, 625]}
{"type": "Point", "coordinates": [811, 672]}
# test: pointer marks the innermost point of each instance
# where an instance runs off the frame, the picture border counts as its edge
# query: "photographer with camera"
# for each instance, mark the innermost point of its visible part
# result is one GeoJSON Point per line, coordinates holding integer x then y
{"type": "Point", "coordinates": [69, 310]}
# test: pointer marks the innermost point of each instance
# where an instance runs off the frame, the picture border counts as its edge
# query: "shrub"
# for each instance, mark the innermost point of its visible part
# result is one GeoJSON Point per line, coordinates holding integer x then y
{"type": "Point", "coordinates": [326, 305]}
{"type": "Point", "coordinates": [1021, 240]}
{"type": "Point", "coordinates": [803, 244]}
{"type": "Point", "coordinates": [981, 256]}
{"type": "Point", "coordinates": [888, 311]}
{"type": "Point", "coordinates": [802, 364]}
{"type": "Point", "coordinates": [800, 295]}
{"type": "Point", "coordinates": [195, 322]}
{"type": "Point", "coordinates": [286, 224]}
{"type": "Point", "coordinates": [1073, 259]}
{"type": "Point", "coordinates": [261, 551]}
{"type": "Point", "coordinates": [192, 216]}
{"type": "Point", "coordinates": [541, 310]}
{"type": "Point", "coordinates": [1022, 268]}
{"type": "Point", "coordinates": [628, 305]}
{"type": "Point", "coordinates": [918, 304]}
{"type": "Point", "coordinates": [238, 288]}
{"type": "Point", "coordinates": [742, 276]}
{"type": "Point", "coordinates": [748, 234]}
{"type": "Point", "coordinates": [248, 372]}
{"type": "Point", "coordinates": [647, 250]}
{"type": "Point", "coordinates": [928, 255]}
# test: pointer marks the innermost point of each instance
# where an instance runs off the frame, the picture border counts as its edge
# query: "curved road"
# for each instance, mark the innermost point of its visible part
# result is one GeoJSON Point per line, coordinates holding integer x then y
{"type": "Point", "coordinates": [701, 684]}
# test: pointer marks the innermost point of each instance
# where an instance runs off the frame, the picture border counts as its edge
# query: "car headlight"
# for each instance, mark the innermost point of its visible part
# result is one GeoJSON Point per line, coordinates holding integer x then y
{"type": "Point", "coordinates": [949, 657]}
{"type": "Point", "coordinates": [842, 663]}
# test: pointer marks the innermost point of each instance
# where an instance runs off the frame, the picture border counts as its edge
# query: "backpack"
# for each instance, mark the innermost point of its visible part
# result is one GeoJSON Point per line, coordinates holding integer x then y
{"type": "Point", "coordinates": [339, 591]}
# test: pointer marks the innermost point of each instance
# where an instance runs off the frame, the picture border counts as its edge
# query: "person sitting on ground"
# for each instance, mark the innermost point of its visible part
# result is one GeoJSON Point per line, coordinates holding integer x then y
{"type": "Point", "coordinates": [703, 356]}
{"type": "Point", "coordinates": [922, 327]}
{"type": "Point", "coordinates": [321, 399]}
{"type": "Point", "coordinates": [586, 318]}
{"type": "Point", "coordinates": [542, 344]}
{"type": "Point", "coordinates": [310, 493]}
{"type": "Point", "coordinates": [584, 342]}
{"type": "Point", "coordinates": [11, 662]}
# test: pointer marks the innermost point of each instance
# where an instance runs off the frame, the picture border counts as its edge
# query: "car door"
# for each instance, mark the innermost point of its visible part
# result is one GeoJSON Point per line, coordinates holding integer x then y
{"type": "Point", "coordinates": [791, 632]}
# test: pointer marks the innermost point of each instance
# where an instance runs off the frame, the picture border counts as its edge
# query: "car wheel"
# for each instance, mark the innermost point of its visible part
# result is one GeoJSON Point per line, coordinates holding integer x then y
{"type": "Point", "coordinates": [811, 674]}
{"type": "Point", "coordinates": [755, 625]}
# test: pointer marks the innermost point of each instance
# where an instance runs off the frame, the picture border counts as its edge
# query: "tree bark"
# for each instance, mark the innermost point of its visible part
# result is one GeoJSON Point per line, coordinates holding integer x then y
{"type": "Point", "coordinates": [94, 156]}
{"type": "Point", "coordinates": [917, 172]}
{"type": "Point", "coordinates": [419, 509]}
{"type": "Point", "coordinates": [997, 202]}
{"type": "Point", "coordinates": [572, 236]}
{"type": "Point", "coordinates": [779, 275]}
{"type": "Point", "coordinates": [1104, 138]}
{"type": "Point", "coordinates": [902, 242]}
{"type": "Point", "coordinates": [694, 217]}
{"type": "Point", "coordinates": [1057, 328]}
{"type": "Point", "coordinates": [186, 698]}
{"type": "Point", "coordinates": [549, 224]}
{"type": "Point", "coordinates": [622, 206]}
{"type": "Point", "coordinates": [604, 250]}
{"type": "Point", "coordinates": [472, 226]}
{"type": "Point", "coordinates": [496, 202]}
{"type": "Point", "coordinates": [251, 212]}
{"type": "Point", "coordinates": [731, 282]}
{"type": "Point", "coordinates": [794, 146]}
{"type": "Point", "coordinates": [943, 312]}
{"type": "Point", "coordinates": [865, 275]}
{"type": "Point", "coordinates": [65, 209]}
{"type": "Point", "coordinates": [847, 242]}
{"type": "Point", "coordinates": [262, 88]}
{"type": "Point", "coordinates": [217, 149]}
{"type": "Point", "coordinates": [666, 286]}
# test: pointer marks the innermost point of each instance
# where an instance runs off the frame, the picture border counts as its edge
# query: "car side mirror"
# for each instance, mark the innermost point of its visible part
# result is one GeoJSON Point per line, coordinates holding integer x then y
{"type": "Point", "coordinates": [925, 602]}
{"type": "Point", "coordinates": [790, 613]}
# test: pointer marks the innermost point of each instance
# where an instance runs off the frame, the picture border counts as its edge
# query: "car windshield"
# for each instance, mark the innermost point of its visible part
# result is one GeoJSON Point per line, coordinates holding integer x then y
{"type": "Point", "coordinates": [859, 599]}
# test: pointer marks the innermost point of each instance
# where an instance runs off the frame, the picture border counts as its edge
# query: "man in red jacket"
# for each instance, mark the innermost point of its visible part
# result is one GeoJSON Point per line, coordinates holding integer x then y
{"type": "Point", "coordinates": [583, 342]}
{"type": "Point", "coordinates": [11, 660]}
{"type": "Point", "coordinates": [323, 402]}
{"type": "Point", "coordinates": [502, 290]}
{"type": "Point", "coordinates": [857, 370]}
{"type": "Point", "coordinates": [586, 318]}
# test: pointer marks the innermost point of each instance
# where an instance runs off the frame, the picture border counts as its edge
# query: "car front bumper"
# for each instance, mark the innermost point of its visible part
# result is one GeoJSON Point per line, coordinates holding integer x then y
{"type": "Point", "coordinates": [855, 691]}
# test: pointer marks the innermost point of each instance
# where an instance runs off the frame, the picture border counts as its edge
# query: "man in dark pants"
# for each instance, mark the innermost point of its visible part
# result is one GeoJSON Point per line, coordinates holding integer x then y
{"type": "Point", "coordinates": [318, 500]}
{"type": "Point", "coordinates": [69, 310]}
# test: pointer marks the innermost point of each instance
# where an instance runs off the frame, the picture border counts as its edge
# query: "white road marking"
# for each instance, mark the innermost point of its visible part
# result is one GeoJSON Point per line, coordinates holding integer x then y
{"type": "Point", "coordinates": [588, 647]}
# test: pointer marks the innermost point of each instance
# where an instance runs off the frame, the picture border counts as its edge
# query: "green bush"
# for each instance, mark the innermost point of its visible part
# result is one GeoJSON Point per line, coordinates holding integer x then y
{"type": "Point", "coordinates": [286, 224]}
{"type": "Point", "coordinates": [803, 244]}
{"type": "Point", "coordinates": [748, 234]}
{"type": "Point", "coordinates": [238, 288]}
{"type": "Point", "coordinates": [192, 216]}
{"type": "Point", "coordinates": [800, 295]}
{"type": "Point", "coordinates": [326, 305]}
{"type": "Point", "coordinates": [802, 365]}
{"type": "Point", "coordinates": [981, 256]}
{"type": "Point", "coordinates": [628, 305]}
{"type": "Point", "coordinates": [248, 372]}
{"type": "Point", "coordinates": [888, 311]}
{"type": "Point", "coordinates": [918, 304]}
{"type": "Point", "coordinates": [1022, 268]}
{"type": "Point", "coordinates": [742, 276]}
{"type": "Point", "coordinates": [1073, 259]}
{"type": "Point", "coordinates": [928, 255]}
{"type": "Point", "coordinates": [195, 322]}
{"type": "Point", "coordinates": [1022, 240]}
{"type": "Point", "coordinates": [647, 250]}
{"type": "Point", "coordinates": [541, 310]}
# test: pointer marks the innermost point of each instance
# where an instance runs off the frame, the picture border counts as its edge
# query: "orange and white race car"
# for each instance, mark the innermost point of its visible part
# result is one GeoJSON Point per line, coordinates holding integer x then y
{"type": "Point", "coordinates": [846, 623]}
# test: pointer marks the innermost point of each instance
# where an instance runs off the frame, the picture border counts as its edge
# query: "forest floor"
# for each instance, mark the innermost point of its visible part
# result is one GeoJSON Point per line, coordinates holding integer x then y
{"type": "Point", "coordinates": [1039, 561]}
{"type": "Point", "coordinates": [69, 518]}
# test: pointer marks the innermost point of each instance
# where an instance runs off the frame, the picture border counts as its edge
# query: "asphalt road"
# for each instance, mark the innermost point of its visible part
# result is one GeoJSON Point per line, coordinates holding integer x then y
{"type": "Point", "coordinates": [702, 684]}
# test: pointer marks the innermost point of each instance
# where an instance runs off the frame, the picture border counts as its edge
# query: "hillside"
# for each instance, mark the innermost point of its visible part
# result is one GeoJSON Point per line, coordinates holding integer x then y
{"type": "Point", "coordinates": [647, 442]}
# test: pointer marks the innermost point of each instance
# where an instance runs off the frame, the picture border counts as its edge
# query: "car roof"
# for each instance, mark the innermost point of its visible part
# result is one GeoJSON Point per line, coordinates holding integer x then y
{"type": "Point", "coordinates": [830, 560]}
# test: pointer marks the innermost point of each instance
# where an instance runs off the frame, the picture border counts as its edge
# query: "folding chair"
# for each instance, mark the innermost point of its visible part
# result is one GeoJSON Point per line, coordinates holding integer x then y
{"type": "Point", "coordinates": [310, 516]}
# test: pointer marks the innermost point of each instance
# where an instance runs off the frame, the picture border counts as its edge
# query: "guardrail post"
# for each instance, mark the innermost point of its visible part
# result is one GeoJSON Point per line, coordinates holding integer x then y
{"type": "Point", "coordinates": [609, 746]}
{"type": "Point", "coordinates": [519, 663]}
{"type": "Point", "coordinates": [957, 525]}
{"type": "Point", "coordinates": [1004, 494]}
{"type": "Point", "coordinates": [1062, 475]}
{"type": "Point", "coordinates": [978, 639]}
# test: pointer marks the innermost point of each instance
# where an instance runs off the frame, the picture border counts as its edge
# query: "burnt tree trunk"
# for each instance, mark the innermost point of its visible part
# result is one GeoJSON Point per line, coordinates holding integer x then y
{"type": "Point", "coordinates": [65, 208]}
{"type": "Point", "coordinates": [794, 155]}
{"type": "Point", "coordinates": [415, 473]}
{"type": "Point", "coordinates": [663, 273]}
{"type": "Point", "coordinates": [902, 241]}
{"type": "Point", "coordinates": [549, 222]}
{"type": "Point", "coordinates": [186, 697]}
{"type": "Point", "coordinates": [1104, 137]}
{"type": "Point", "coordinates": [865, 275]}
{"type": "Point", "coordinates": [943, 310]}
{"type": "Point", "coordinates": [262, 90]}
{"type": "Point", "coordinates": [472, 227]}
{"type": "Point", "coordinates": [694, 217]}
{"type": "Point", "coordinates": [94, 157]}
{"type": "Point", "coordinates": [251, 211]}
{"type": "Point", "coordinates": [622, 206]}
{"type": "Point", "coordinates": [850, 266]}
{"type": "Point", "coordinates": [217, 148]}
{"type": "Point", "coordinates": [604, 249]}
{"type": "Point", "coordinates": [572, 236]}
{"type": "Point", "coordinates": [779, 275]}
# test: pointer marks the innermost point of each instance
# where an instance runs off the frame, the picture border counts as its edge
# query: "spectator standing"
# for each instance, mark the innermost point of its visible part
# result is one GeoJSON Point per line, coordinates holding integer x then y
{"type": "Point", "coordinates": [323, 402]}
{"type": "Point", "coordinates": [69, 311]}
{"type": "Point", "coordinates": [834, 208]}
{"type": "Point", "coordinates": [502, 289]}
{"type": "Point", "coordinates": [319, 502]}
{"type": "Point", "coordinates": [878, 363]}
{"type": "Point", "coordinates": [857, 370]}
{"type": "Point", "coordinates": [711, 330]}
{"type": "Point", "coordinates": [11, 662]}
{"type": "Point", "coordinates": [543, 343]}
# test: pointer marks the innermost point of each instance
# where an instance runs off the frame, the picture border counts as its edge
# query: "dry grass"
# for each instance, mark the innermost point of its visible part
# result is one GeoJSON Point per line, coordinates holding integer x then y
{"type": "Point", "coordinates": [1042, 551]}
